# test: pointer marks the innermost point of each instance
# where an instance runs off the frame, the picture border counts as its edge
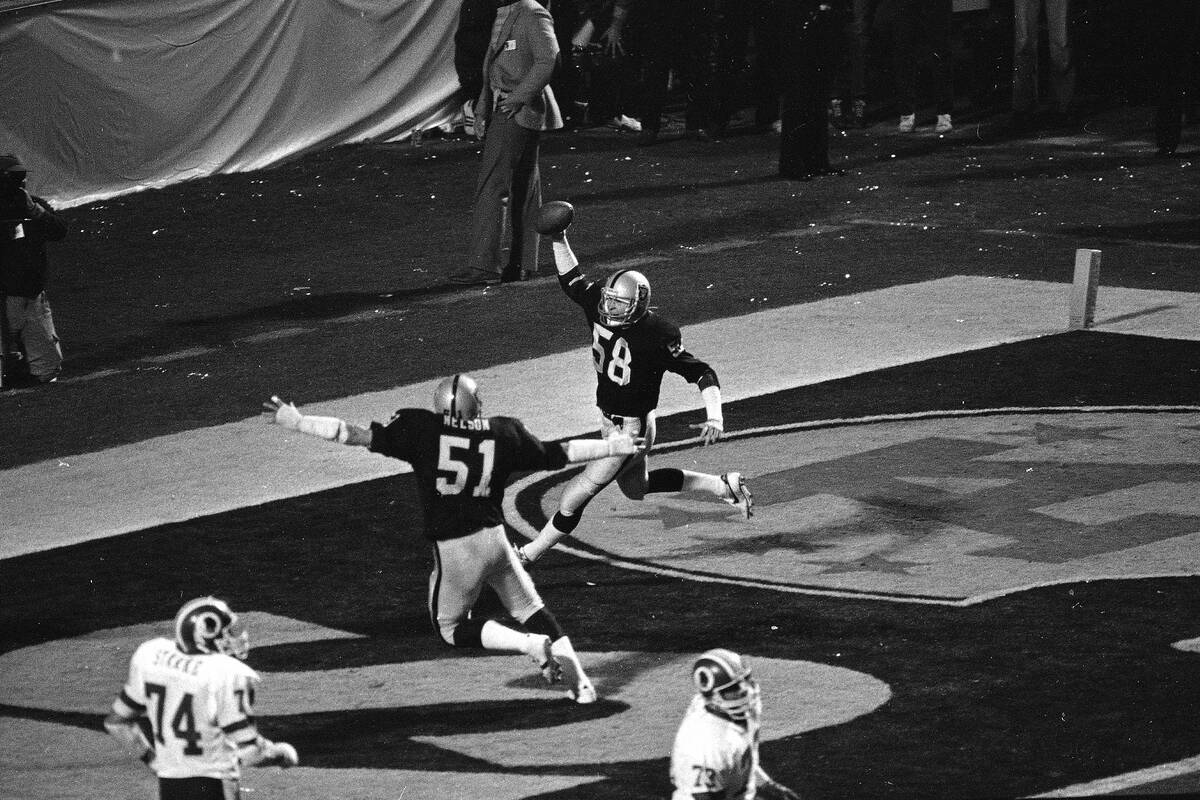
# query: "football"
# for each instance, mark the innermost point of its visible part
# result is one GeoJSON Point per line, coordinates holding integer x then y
{"type": "Point", "coordinates": [554, 217]}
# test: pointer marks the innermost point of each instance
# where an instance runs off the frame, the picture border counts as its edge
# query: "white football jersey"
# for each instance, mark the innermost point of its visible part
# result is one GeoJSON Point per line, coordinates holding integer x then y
{"type": "Point", "coordinates": [714, 754]}
{"type": "Point", "coordinates": [200, 707]}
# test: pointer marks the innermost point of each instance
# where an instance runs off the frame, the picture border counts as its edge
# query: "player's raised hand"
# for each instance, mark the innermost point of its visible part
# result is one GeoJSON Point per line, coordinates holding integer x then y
{"type": "Point", "coordinates": [281, 413]}
{"type": "Point", "coordinates": [622, 444]}
{"type": "Point", "coordinates": [710, 430]}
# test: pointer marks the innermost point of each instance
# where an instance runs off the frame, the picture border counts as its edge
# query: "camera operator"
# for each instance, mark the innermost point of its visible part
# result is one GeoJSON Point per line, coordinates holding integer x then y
{"type": "Point", "coordinates": [26, 224]}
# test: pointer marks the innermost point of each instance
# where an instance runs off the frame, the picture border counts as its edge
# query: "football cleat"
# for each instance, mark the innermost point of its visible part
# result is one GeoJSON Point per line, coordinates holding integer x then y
{"type": "Point", "coordinates": [522, 557]}
{"type": "Point", "coordinates": [584, 693]}
{"type": "Point", "coordinates": [580, 688]}
{"type": "Point", "coordinates": [739, 493]}
{"type": "Point", "coordinates": [540, 654]}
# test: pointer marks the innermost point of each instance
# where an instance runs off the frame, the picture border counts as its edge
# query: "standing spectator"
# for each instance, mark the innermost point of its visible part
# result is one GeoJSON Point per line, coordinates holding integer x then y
{"type": "Point", "coordinates": [462, 462]}
{"type": "Point", "coordinates": [853, 72]}
{"type": "Point", "coordinates": [1175, 29]}
{"type": "Point", "coordinates": [766, 25]}
{"type": "Point", "coordinates": [922, 26]}
{"type": "Point", "coordinates": [26, 224]}
{"type": "Point", "coordinates": [680, 38]}
{"type": "Point", "coordinates": [715, 753]}
{"type": "Point", "coordinates": [603, 65]}
{"type": "Point", "coordinates": [632, 349]}
{"type": "Point", "coordinates": [515, 105]}
{"type": "Point", "coordinates": [806, 73]}
{"type": "Point", "coordinates": [187, 708]}
{"type": "Point", "coordinates": [1026, 15]}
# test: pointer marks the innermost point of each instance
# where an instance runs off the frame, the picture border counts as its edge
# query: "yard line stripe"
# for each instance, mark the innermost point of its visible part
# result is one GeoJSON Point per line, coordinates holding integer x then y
{"type": "Point", "coordinates": [1129, 780]}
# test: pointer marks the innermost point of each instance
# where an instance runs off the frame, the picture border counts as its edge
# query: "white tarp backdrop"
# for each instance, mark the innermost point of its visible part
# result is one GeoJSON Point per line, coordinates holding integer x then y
{"type": "Point", "coordinates": [99, 99]}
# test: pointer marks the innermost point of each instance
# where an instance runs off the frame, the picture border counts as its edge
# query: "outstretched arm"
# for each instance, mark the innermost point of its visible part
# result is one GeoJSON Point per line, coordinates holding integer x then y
{"type": "Point", "coordinates": [620, 444]}
{"type": "Point", "coordinates": [331, 428]}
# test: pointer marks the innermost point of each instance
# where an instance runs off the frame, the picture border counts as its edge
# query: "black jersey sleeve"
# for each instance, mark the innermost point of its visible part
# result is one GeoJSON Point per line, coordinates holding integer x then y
{"type": "Point", "coordinates": [680, 361]}
{"type": "Point", "coordinates": [581, 291]}
{"type": "Point", "coordinates": [396, 438]}
{"type": "Point", "coordinates": [531, 453]}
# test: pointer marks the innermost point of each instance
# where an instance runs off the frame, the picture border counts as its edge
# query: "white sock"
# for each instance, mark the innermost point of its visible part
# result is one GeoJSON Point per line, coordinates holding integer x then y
{"type": "Point", "coordinates": [703, 482]}
{"type": "Point", "coordinates": [503, 638]}
{"type": "Point", "coordinates": [546, 538]}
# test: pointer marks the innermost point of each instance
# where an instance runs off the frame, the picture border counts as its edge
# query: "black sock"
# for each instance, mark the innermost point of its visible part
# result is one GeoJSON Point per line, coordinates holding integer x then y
{"type": "Point", "coordinates": [544, 623]}
{"type": "Point", "coordinates": [667, 479]}
{"type": "Point", "coordinates": [469, 633]}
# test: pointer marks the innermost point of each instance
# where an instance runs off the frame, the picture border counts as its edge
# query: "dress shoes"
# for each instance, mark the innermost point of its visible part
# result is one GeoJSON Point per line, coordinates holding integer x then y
{"type": "Point", "coordinates": [474, 277]}
{"type": "Point", "coordinates": [516, 275]}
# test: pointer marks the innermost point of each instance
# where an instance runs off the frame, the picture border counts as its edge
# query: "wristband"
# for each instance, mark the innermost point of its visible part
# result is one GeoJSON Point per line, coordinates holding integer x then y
{"type": "Point", "coordinates": [330, 428]}
{"type": "Point", "coordinates": [564, 257]}
{"type": "Point", "coordinates": [712, 405]}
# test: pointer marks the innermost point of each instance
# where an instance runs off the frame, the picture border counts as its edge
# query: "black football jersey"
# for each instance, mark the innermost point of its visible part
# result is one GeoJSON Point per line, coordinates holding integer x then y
{"type": "Point", "coordinates": [630, 361]}
{"type": "Point", "coordinates": [462, 467]}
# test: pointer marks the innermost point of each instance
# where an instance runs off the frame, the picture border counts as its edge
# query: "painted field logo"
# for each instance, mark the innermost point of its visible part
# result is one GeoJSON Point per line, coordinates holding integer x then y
{"type": "Point", "coordinates": [946, 510]}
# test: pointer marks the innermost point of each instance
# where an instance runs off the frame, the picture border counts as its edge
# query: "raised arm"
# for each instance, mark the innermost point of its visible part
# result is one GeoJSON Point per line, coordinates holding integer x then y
{"type": "Point", "coordinates": [331, 428]}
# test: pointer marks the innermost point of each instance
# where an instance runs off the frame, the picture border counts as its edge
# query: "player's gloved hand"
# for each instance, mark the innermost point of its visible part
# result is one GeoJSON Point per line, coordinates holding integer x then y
{"type": "Point", "coordinates": [276, 754]}
{"type": "Point", "coordinates": [149, 757]}
{"type": "Point", "coordinates": [281, 413]}
{"type": "Point", "coordinates": [710, 430]}
{"type": "Point", "coordinates": [622, 444]}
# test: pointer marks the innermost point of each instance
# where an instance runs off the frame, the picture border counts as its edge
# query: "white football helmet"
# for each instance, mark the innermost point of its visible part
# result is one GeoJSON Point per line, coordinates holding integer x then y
{"type": "Point", "coordinates": [624, 298]}
{"type": "Point", "coordinates": [724, 680]}
{"type": "Point", "coordinates": [459, 397]}
{"type": "Point", "coordinates": [208, 625]}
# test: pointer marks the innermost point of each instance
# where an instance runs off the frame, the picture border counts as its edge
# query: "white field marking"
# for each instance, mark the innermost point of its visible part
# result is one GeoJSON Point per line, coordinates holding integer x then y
{"type": "Point", "coordinates": [1130, 780]}
{"type": "Point", "coordinates": [268, 336]}
{"type": "Point", "coordinates": [369, 316]}
{"type": "Point", "coordinates": [178, 355]}
{"type": "Point", "coordinates": [1188, 645]}
{"type": "Point", "coordinates": [717, 247]}
{"type": "Point", "coordinates": [813, 230]}
{"type": "Point", "coordinates": [92, 376]}
{"type": "Point", "coordinates": [206, 471]}
{"type": "Point", "coordinates": [630, 263]}
{"type": "Point", "coordinates": [519, 524]}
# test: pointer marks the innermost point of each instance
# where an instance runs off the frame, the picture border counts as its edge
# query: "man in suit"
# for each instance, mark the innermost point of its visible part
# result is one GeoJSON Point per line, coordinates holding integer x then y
{"type": "Point", "coordinates": [515, 105]}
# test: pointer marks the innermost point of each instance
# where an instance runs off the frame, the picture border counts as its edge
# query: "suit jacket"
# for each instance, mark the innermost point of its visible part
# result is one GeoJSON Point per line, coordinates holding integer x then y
{"type": "Point", "coordinates": [521, 65]}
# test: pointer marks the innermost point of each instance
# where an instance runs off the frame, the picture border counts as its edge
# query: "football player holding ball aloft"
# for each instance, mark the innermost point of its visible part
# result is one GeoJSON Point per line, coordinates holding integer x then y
{"type": "Point", "coordinates": [632, 348]}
